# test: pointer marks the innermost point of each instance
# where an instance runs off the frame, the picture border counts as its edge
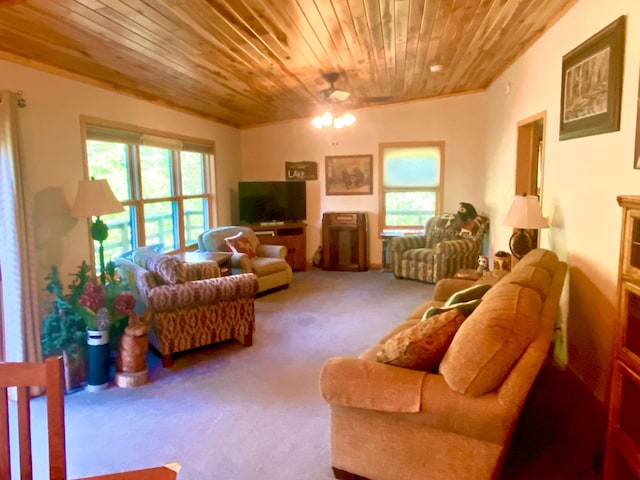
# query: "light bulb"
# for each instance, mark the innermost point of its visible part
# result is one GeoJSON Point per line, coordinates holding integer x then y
{"type": "Point", "coordinates": [317, 122]}
{"type": "Point", "coordinates": [348, 119]}
{"type": "Point", "coordinates": [338, 122]}
{"type": "Point", "coordinates": [327, 119]}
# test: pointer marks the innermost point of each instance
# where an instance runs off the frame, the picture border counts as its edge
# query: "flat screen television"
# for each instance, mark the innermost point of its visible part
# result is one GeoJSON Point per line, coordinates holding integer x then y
{"type": "Point", "coordinates": [276, 201]}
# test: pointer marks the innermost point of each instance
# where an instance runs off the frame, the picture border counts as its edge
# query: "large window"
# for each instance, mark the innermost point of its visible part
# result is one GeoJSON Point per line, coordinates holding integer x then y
{"type": "Point", "coordinates": [163, 184]}
{"type": "Point", "coordinates": [411, 184]}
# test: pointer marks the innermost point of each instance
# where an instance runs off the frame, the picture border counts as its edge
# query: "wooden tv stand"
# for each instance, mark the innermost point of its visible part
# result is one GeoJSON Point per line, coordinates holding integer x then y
{"type": "Point", "coordinates": [291, 235]}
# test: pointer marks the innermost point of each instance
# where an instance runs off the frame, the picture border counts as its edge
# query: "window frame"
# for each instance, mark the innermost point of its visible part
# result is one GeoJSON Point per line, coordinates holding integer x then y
{"type": "Point", "coordinates": [135, 181]}
{"type": "Point", "coordinates": [439, 190]}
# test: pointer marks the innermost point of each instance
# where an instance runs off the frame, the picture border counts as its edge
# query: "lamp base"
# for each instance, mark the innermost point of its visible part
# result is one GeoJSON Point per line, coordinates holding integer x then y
{"type": "Point", "coordinates": [520, 243]}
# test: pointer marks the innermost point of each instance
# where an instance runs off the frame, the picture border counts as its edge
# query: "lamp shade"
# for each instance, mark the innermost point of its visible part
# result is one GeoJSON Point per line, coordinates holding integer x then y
{"type": "Point", "coordinates": [525, 212]}
{"type": "Point", "coordinates": [95, 198]}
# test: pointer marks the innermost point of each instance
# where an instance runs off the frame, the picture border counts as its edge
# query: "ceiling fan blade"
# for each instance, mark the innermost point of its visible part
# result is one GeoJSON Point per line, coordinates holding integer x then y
{"type": "Point", "coordinates": [381, 99]}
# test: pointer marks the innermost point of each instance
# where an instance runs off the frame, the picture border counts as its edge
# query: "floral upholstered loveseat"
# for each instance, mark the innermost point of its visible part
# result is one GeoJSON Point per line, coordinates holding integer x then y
{"type": "Point", "coordinates": [192, 305]}
{"type": "Point", "coordinates": [447, 245]}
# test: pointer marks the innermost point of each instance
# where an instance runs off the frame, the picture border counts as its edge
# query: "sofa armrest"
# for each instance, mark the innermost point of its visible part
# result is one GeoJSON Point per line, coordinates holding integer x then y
{"type": "Point", "coordinates": [271, 251]}
{"type": "Point", "coordinates": [241, 261]}
{"type": "Point", "coordinates": [203, 292]}
{"type": "Point", "coordinates": [454, 248]}
{"type": "Point", "coordinates": [406, 242]}
{"type": "Point", "coordinates": [448, 286]}
{"type": "Point", "coordinates": [358, 383]}
{"type": "Point", "coordinates": [354, 382]}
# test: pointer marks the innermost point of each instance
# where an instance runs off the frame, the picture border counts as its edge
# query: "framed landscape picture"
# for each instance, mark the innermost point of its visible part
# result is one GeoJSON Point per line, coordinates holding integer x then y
{"type": "Point", "coordinates": [349, 174]}
{"type": "Point", "coordinates": [592, 84]}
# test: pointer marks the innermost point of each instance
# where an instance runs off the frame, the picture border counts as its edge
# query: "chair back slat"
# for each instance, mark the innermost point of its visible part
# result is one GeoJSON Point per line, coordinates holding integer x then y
{"type": "Point", "coordinates": [24, 433]}
{"type": "Point", "coordinates": [5, 453]}
{"type": "Point", "coordinates": [55, 417]}
{"type": "Point", "coordinates": [23, 376]}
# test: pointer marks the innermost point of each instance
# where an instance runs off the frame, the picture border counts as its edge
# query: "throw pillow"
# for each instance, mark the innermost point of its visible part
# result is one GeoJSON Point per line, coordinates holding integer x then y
{"type": "Point", "coordinates": [466, 308]}
{"type": "Point", "coordinates": [471, 293]}
{"type": "Point", "coordinates": [422, 346]}
{"type": "Point", "coordinates": [238, 243]}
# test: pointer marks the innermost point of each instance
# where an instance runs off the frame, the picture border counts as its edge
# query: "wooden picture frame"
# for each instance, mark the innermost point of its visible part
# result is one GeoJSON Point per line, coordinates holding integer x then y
{"type": "Point", "coordinates": [349, 174]}
{"type": "Point", "coordinates": [592, 84]}
{"type": "Point", "coordinates": [636, 163]}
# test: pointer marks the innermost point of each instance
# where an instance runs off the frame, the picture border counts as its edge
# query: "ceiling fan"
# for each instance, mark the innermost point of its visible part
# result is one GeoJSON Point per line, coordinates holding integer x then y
{"type": "Point", "coordinates": [336, 95]}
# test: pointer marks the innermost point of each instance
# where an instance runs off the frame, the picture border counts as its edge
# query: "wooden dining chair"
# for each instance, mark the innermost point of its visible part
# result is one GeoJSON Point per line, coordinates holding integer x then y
{"type": "Point", "coordinates": [49, 375]}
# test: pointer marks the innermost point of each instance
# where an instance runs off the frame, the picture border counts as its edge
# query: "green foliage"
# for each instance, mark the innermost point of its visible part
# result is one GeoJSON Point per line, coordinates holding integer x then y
{"type": "Point", "coordinates": [64, 327]}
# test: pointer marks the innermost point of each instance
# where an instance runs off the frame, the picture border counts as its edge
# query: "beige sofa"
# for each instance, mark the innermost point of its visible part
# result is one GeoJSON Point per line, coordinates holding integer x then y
{"type": "Point", "coordinates": [269, 263]}
{"type": "Point", "coordinates": [454, 423]}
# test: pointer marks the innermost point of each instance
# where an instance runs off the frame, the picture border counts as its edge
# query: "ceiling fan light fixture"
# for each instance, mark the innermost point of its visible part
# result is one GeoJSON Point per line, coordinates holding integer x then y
{"type": "Point", "coordinates": [327, 119]}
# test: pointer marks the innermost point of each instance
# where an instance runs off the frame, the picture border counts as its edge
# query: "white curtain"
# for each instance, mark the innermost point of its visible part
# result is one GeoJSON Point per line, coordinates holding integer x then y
{"type": "Point", "coordinates": [21, 326]}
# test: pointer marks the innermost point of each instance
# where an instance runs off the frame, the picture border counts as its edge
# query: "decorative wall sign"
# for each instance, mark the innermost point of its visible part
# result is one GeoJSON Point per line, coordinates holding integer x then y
{"type": "Point", "coordinates": [301, 171]}
{"type": "Point", "coordinates": [592, 84]}
{"type": "Point", "coordinates": [349, 174]}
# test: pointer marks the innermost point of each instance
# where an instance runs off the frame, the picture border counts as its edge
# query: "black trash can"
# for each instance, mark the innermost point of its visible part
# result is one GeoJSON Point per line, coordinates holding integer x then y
{"type": "Point", "coordinates": [97, 360]}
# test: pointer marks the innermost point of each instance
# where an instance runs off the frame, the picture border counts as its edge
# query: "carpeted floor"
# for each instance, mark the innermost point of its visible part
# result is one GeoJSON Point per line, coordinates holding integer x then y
{"type": "Point", "coordinates": [235, 413]}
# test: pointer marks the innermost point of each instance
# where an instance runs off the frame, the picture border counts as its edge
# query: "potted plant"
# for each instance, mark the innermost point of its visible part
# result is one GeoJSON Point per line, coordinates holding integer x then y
{"type": "Point", "coordinates": [88, 311]}
{"type": "Point", "coordinates": [63, 329]}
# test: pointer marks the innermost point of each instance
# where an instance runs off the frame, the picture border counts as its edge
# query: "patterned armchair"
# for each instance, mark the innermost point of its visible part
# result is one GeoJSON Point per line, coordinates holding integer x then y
{"type": "Point", "coordinates": [191, 304]}
{"type": "Point", "coordinates": [447, 245]}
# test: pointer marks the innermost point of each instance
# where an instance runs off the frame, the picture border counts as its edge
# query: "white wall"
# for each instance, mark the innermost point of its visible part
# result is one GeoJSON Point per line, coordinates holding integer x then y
{"type": "Point", "coordinates": [582, 177]}
{"type": "Point", "coordinates": [458, 121]}
{"type": "Point", "coordinates": [52, 151]}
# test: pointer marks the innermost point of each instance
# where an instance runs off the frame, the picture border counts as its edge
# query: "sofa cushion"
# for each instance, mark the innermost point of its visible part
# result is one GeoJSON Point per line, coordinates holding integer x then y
{"type": "Point", "coordinates": [466, 308]}
{"type": "Point", "coordinates": [472, 293]}
{"type": "Point", "coordinates": [239, 243]}
{"type": "Point", "coordinates": [533, 277]}
{"type": "Point", "coordinates": [422, 346]}
{"type": "Point", "coordinates": [538, 257]}
{"type": "Point", "coordinates": [166, 268]}
{"type": "Point", "coordinates": [201, 270]}
{"type": "Point", "coordinates": [444, 227]}
{"type": "Point", "coordinates": [491, 340]}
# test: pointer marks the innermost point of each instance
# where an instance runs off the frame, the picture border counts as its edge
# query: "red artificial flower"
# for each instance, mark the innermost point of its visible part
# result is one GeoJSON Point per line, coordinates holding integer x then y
{"type": "Point", "coordinates": [124, 303]}
{"type": "Point", "coordinates": [92, 297]}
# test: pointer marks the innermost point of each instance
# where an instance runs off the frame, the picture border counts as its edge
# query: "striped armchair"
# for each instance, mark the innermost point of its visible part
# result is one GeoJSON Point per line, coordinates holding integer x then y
{"type": "Point", "coordinates": [447, 245]}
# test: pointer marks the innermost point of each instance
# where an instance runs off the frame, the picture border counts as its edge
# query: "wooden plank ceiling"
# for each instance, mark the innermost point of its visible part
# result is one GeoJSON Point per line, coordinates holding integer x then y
{"type": "Point", "coordinates": [253, 62]}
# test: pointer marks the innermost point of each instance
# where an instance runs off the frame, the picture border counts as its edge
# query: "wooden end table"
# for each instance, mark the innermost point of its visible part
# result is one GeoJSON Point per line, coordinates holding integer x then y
{"type": "Point", "coordinates": [472, 274]}
{"type": "Point", "coordinates": [223, 259]}
{"type": "Point", "coordinates": [468, 274]}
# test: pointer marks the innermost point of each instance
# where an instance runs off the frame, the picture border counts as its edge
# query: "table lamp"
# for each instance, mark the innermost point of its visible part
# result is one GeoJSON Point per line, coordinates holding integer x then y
{"type": "Point", "coordinates": [95, 198]}
{"type": "Point", "coordinates": [525, 214]}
